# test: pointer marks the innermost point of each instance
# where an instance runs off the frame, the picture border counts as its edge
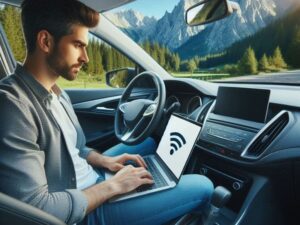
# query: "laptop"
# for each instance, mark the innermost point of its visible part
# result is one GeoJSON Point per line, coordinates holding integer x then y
{"type": "Point", "coordinates": [170, 159]}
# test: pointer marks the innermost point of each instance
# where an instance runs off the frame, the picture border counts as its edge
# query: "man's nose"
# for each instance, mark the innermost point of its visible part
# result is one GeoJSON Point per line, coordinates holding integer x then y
{"type": "Point", "coordinates": [84, 56]}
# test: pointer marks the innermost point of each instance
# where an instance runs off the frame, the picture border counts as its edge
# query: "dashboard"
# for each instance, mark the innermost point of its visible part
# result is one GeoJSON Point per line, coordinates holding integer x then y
{"type": "Point", "coordinates": [189, 97]}
{"type": "Point", "coordinates": [256, 157]}
{"type": "Point", "coordinates": [188, 102]}
{"type": "Point", "coordinates": [253, 129]}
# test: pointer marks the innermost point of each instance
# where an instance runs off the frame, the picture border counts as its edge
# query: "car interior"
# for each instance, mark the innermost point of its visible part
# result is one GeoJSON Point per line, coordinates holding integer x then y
{"type": "Point", "coordinates": [249, 144]}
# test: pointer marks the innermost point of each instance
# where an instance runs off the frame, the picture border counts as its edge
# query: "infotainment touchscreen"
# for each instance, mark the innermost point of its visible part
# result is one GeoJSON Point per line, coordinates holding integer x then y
{"type": "Point", "coordinates": [243, 103]}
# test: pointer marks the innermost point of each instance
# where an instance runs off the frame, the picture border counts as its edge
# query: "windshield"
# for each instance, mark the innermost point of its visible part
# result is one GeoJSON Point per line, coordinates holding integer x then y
{"type": "Point", "coordinates": [260, 43]}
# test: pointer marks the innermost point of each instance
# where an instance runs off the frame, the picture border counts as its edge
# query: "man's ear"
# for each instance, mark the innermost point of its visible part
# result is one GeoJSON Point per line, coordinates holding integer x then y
{"type": "Point", "coordinates": [45, 41]}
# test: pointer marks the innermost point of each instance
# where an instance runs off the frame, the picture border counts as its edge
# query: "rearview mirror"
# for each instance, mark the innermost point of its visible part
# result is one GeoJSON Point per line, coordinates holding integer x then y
{"type": "Point", "coordinates": [208, 11]}
{"type": "Point", "coordinates": [120, 78]}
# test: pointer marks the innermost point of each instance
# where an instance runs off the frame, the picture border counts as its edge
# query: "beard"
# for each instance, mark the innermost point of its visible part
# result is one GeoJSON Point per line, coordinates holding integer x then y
{"type": "Point", "coordinates": [59, 66]}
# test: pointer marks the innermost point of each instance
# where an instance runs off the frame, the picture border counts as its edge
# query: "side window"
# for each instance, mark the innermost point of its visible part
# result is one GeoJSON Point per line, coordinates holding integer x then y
{"type": "Point", "coordinates": [102, 57]}
{"type": "Point", "coordinates": [10, 18]}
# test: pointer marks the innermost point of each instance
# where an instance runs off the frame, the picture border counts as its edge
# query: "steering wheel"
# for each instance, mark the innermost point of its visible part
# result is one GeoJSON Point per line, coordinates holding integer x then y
{"type": "Point", "coordinates": [135, 120]}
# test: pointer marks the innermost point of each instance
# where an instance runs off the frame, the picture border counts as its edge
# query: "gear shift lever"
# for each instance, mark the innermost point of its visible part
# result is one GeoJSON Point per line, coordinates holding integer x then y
{"type": "Point", "coordinates": [219, 198]}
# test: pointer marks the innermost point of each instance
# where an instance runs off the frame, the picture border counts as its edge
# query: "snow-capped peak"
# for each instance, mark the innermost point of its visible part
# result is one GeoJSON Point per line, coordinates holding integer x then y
{"type": "Point", "coordinates": [129, 19]}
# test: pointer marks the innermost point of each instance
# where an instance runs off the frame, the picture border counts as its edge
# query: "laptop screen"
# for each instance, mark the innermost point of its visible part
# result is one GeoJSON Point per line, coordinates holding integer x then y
{"type": "Point", "coordinates": [177, 143]}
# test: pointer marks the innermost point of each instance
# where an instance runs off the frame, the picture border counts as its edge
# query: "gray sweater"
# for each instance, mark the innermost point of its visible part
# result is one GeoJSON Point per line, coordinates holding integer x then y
{"type": "Point", "coordinates": [35, 165]}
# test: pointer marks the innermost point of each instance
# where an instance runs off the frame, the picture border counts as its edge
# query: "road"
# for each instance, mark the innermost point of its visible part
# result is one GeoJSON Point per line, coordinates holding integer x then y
{"type": "Point", "coordinates": [281, 77]}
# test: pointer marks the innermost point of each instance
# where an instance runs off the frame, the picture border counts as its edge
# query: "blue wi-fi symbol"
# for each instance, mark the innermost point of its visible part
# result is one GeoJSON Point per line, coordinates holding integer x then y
{"type": "Point", "coordinates": [176, 141]}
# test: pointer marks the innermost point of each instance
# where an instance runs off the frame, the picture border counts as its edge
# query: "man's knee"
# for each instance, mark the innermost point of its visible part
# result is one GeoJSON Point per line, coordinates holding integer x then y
{"type": "Point", "coordinates": [200, 187]}
{"type": "Point", "coordinates": [147, 147]}
{"type": "Point", "coordinates": [150, 142]}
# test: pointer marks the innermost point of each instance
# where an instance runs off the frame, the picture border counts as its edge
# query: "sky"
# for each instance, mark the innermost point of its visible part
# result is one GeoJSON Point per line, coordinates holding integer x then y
{"type": "Point", "coordinates": [156, 8]}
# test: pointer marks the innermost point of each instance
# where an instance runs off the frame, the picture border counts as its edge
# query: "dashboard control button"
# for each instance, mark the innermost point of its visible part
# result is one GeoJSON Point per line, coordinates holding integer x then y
{"type": "Point", "coordinates": [236, 185]}
{"type": "Point", "coordinates": [203, 171]}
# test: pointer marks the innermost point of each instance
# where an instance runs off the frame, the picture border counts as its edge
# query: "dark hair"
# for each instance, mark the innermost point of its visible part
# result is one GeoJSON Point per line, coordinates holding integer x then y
{"type": "Point", "coordinates": [55, 16]}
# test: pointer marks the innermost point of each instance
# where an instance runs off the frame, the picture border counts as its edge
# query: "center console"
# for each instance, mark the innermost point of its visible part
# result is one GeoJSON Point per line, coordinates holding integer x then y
{"type": "Point", "coordinates": [236, 129]}
{"type": "Point", "coordinates": [233, 120]}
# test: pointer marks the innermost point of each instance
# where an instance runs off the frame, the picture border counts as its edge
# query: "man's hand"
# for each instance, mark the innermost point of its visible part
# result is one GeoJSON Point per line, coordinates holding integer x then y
{"type": "Point", "coordinates": [126, 180]}
{"type": "Point", "coordinates": [116, 163]}
{"type": "Point", "coordinates": [129, 178]}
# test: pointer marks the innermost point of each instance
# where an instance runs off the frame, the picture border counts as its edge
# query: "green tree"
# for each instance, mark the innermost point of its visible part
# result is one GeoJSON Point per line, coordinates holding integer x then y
{"type": "Point", "coordinates": [108, 59]}
{"type": "Point", "coordinates": [174, 62]}
{"type": "Point", "coordinates": [263, 64]}
{"type": "Point", "coordinates": [154, 54]}
{"type": "Point", "coordinates": [248, 63]}
{"type": "Point", "coordinates": [147, 46]}
{"type": "Point", "coordinates": [98, 62]}
{"type": "Point", "coordinates": [90, 65]}
{"type": "Point", "coordinates": [294, 49]}
{"type": "Point", "coordinates": [278, 60]}
{"type": "Point", "coordinates": [11, 21]}
{"type": "Point", "coordinates": [231, 69]}
{"type": "Point", "coordinates": [270, 61]}
{"type": "Point", "coordinates": [184, 65]}
{"type": "Point", "coordinates": [191, 66]}
{"type": "Point", "coordinates": [177, 62]}
{"type": "Point", "coordinates": [197, 61]}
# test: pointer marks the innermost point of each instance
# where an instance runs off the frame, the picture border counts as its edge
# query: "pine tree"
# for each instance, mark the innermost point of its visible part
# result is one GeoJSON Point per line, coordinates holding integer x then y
{"type": "Point", "coordinates": [294, 49]}
{"type": "Point", "coordinates": [197, 61]}
{"type": "Point", "coordinates": [11, 21]}
{"type": "Point", "coordinates": [184, 65]}
{"type": "Point", "coordinates": [263, 64]}
{"type": "Point", "coordinates": [98, 61]}
{"type": "Point", "coordinates": [248, 63]}
{"type": "Point", "coordinates": [278, 60]}
{"type": "Point", "coordinates": [90, 65]}
{"type": "Point", "coordinates": [270, 61]}
{"type": "Point", "coordinates": [192, 65]}
{"type": "Point", "coordinates": [154, 53]}
{"type": "Point", "coordinates": [147, 46]}
{"type": "Point", "coordinates": [107, 58]}
{"type": "Point", "coordinates": [177, 62]}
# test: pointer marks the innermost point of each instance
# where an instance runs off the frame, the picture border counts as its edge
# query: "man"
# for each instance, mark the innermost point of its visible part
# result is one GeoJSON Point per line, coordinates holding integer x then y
{"type": "Point", "coordinates": [44, 160]}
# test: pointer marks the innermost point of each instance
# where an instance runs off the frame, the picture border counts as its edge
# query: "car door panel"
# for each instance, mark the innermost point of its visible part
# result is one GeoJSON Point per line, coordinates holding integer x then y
{"type": "Point", "coordinates": [95, 110]}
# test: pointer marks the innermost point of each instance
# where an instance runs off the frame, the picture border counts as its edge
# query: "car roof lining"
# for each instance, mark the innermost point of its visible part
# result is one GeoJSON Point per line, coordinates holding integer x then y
{"type": "Point", "coordinates": [98, 5]}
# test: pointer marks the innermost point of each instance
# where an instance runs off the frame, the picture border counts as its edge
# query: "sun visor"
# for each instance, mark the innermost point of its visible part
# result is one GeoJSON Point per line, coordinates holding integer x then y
{"type": "Point", "coordinates": [104, 5]}
{"type": "Point", "coordinates": [98, 5]}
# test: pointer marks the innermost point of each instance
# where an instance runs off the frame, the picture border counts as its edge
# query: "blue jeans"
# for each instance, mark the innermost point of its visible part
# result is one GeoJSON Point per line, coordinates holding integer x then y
{"type": "Point", "coordinates": [192, 193]}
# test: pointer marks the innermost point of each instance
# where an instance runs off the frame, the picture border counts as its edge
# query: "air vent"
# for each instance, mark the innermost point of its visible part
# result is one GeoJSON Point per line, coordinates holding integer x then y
{"type": "Point", "coordinates": [203, 113]}
{"type": "Point", "coordinates": [266, 136]}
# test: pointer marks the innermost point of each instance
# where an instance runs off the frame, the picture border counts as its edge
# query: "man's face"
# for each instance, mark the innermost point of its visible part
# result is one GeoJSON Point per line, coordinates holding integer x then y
{"type": "Point", "coordinates": [69, 54]}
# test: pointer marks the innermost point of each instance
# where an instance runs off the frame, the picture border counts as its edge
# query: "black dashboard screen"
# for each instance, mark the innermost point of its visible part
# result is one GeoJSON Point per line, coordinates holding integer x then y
{"type": "Point", "coordinates": [243, 103]}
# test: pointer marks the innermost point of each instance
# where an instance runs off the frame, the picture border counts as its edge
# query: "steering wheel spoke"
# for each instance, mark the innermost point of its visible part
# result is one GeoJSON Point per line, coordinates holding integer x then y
{"type": "Point", "coordinates": [135, 120]}
{"type": "Point", "coordinates": [150, 110]}
{"type": "Point", "coordinates": [132, 132]}
{"type": "Point", "coordinates": [122, 107]}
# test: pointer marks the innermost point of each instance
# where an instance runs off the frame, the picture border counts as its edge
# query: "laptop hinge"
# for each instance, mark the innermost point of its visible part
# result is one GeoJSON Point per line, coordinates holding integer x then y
{"type": "Point", "coordinates": [169, 172]}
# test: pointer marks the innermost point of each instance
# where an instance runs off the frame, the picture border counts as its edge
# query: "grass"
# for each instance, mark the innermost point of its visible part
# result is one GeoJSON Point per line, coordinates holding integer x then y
{"type": "Point", "coordinates": [85, 82]}
{"type": "Point", "coordinates": [202, 76]}
{"type": "Point", "coordinates": [80, 83]}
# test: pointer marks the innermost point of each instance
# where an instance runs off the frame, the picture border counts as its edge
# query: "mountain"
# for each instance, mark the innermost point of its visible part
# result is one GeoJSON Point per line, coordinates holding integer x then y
{"type": "Point", "coordinates": [172, 31]}
{"type": "Point", "coordinates": [135, 24]}
{"type": "Point", "coordinates": [283, 32]}
{"type": "Point", "coordinates": [255, 15]}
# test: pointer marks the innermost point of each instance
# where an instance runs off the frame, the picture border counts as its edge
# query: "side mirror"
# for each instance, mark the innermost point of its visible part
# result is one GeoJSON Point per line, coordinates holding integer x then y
{"type": "Point", "coordinates": [208, 11]}
{"type": "Point", "coordinates": [120, 78]}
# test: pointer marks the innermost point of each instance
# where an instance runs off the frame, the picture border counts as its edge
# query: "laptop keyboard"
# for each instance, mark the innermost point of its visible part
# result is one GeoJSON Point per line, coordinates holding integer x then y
{"type": "Point", "coordinates": [159, 180]}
